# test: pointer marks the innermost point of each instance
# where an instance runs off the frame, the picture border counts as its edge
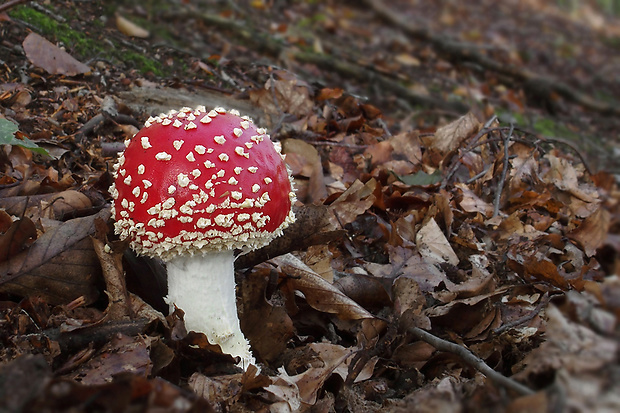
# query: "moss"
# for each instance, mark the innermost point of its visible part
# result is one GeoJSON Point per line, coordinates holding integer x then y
{"type": "Point", "coordinates": [81, 46]}
{"type": "Point", "coordinates": [62, 32]}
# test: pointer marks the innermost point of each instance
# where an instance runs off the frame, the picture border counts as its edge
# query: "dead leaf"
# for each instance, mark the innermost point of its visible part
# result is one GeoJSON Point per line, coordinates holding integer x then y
{"type": "Point", "coordinates": [353, 202]}
{"type": "Point", "coordinates": [268, 327]}
{"type": "Point", "coordinates": [60, 266]}
{"type": "Point", "coordinates": [284, 94]}
{"type": "Point", "coordinates": [311, 168]}
{"type": "Point", "coordinates": [121, 354]}
{"type": "Point", "coordinates": [319, 294]}
{"type": "Point", "coordinates": [592, 232]}
{"type": "Point", "coordinates": [51, 58]}
{"type": "Point", "coordinates": [119, 306]}
{"type": "Point", "coordinates": [408, 263]}
{"type": "Point", "coordinates": [449, 137]}
{"type": "Point", "coordinates": [433, 244]}
{"type": "Point", "coordinates": [470, 202]}
{"type": "Point", "coordinates": [17, 237]}
{"type": "Point", "coordinates": [57, 205]}
{"type": "Point", "coordinates": [220, 389]}
{"type": "Point", "coordinates": [569, 346]}
{"type": "Point", "coordinates": [311, 381]}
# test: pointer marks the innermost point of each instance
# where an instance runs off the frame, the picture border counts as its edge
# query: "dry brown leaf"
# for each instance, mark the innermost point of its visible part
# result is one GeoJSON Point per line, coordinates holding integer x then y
{"type": "Point", "coordinates": [311, 381]}
{"type": "Point", "coordinates": [57, 205]}
{"type": "Point", "coordinates": [450, 136]}
{"type": "Point", "coordinates": [407, 147]}
{"type": "Point", "coordinates": [320, 294]}
{"type": "Point", "coordinates": [269, 328]}
{"type": "Point", "coordinates": [129, 28]}
{"type": "Point", "coordinates": [121, 354]}
{"type": "Point", "coordinates": [592, 232]}
{"type": "Point", "coordinates": [17, 237]}
{"type": "Point", "coordinates": [470, 202]}
{"type": "Point", "coordinates": [408, 263]}
{"type": "Point", "coordinates": [563, 175]}
{"type": "Point", "coordinates": [284, 393]}
{"type": "Point", "coordinates": [433, 244]}
{"type": "Point", "coordinates": [119, 305]}
{"type": "Point", "coordinates": [285, 95]}
{"type": "Point", "coordinates": [60, 266]}
{"type": "Point", "coordinates": [311, 167]}
{"type": "Point", "coordinates": [51, 58]}
{"type": "Point", "coordinates": [352, 203]}
{"type": "Point", "coordinates": [220, 389]}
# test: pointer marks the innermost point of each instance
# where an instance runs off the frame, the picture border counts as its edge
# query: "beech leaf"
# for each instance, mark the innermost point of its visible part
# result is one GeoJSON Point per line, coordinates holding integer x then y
{"type": "Point", "coordinates": [60, 265]}
{"type": "Point", "coordinates": [51, 58]}
{"type": "Point", "coordinates": [320, 294]}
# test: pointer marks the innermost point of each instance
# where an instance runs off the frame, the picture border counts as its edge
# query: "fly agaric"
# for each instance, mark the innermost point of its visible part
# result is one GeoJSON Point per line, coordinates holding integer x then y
{"type": "Point", "coordinates": [191, 187]}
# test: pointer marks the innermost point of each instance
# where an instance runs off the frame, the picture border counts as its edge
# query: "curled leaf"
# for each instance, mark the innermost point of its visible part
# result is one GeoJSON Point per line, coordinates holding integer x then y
{"type": "Point", "coordinates": [320, 294]}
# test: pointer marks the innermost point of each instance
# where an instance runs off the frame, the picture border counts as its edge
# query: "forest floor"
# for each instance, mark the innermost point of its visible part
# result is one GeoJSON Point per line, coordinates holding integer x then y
{"type": "Point", "coordinates": [457, 244]}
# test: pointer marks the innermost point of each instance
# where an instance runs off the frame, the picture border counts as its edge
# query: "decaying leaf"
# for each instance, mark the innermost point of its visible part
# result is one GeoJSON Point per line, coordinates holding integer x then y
{"type": "Point", "coordinates": [434, 246]}
{"type": "Point", "coordinates": [450, 136]}
{"type": "Point", "coordinates": [268, 327]}
{"type": "Point", "coordinates": [592, 232]}
{"type": "Point", "coordinates": [16, 237]}
{"type": "Point", "coordinates": [55, 205]}
{"type": "Point", "coordinates": [284, 94]}
{"type": "Point", "coordinates": [319, 293]}
{"type": "Point", "coordinates": [121, 355]}
{"type": "Point", "coordinates": [51, 58]}
{"type": "Point", "coordinates": [60, 266]}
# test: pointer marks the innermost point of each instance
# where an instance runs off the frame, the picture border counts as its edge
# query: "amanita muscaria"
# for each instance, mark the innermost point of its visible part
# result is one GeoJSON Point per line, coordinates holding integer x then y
{"type": "Point", "coordinates": [191, 187]}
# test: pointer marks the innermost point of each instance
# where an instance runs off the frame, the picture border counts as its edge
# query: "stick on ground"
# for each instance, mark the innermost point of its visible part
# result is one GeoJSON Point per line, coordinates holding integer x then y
{"type": "Point", "coordinates": [471, 359]}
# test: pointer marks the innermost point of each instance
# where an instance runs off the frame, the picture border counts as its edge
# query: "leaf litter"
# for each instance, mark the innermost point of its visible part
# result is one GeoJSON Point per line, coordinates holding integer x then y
{"type": "Point", "coordinates": [470, 263]}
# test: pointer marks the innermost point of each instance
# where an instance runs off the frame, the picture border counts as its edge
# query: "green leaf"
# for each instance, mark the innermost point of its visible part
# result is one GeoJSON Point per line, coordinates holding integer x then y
{"type": "Point", "coordinates": [421, 178]}
{"type": "Point", "coordinates": [7, 137]}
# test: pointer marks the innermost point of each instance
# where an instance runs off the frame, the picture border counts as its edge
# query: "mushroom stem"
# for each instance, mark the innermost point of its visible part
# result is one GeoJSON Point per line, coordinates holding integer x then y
{"type": "Point", "coordinates": [203, 286]}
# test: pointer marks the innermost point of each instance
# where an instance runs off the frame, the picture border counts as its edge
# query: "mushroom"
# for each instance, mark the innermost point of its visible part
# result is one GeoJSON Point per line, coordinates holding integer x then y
{"type": "Point", "coordinates": [190, 188]}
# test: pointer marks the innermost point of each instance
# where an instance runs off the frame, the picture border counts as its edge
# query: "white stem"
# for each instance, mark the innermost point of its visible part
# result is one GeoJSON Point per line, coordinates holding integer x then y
{"type": "Point", "coordinates": [203, 286]}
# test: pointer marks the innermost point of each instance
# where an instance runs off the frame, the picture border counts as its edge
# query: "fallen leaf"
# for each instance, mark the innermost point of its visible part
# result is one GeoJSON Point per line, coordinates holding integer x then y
{"type": "Point", "coordinates": [55, 205]}
{"type": "Point", "coordinates": [18, 236]}
{"type": "Point", "coordinates": [121, 354]}
{"type": "Point", "coordinates": [51, 58]}
{"type": "Point", "coordinates": [268, 327]}
{"type": "Point", "coordinates": [60, 266]}
{"type": "Point", "coordinates": [450, 136]}
{"type": "Point", "coordinates": [592, 232]}
{"type": "Point", "coordinates": [320, 294]}
{"type": "Point", "coordinates": [433, 244]}
{"type": "Point", "coordinates": [408, 263]}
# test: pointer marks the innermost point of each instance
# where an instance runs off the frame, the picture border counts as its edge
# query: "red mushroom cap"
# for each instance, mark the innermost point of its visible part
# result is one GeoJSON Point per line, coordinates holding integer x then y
{"type": "Point", "coordinates": [196, 181]}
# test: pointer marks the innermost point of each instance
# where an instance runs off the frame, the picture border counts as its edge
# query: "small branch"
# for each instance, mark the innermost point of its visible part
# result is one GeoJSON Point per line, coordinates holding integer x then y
{"type": "Point", "coordinates": [470, 358]}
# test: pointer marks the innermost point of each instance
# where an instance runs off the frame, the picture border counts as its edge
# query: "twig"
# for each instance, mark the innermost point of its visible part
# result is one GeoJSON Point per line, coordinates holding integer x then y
{"type": "Point", "coordinates": [470, 358]}
{"type": "Point", "coordinates": [502, 179]}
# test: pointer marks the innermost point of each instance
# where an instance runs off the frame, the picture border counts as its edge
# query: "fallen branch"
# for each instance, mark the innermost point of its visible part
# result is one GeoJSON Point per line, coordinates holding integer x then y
{"type": "Point", "coordinates": [467, 52]}
{"type": "Point", "coordinates": [470, 358]}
